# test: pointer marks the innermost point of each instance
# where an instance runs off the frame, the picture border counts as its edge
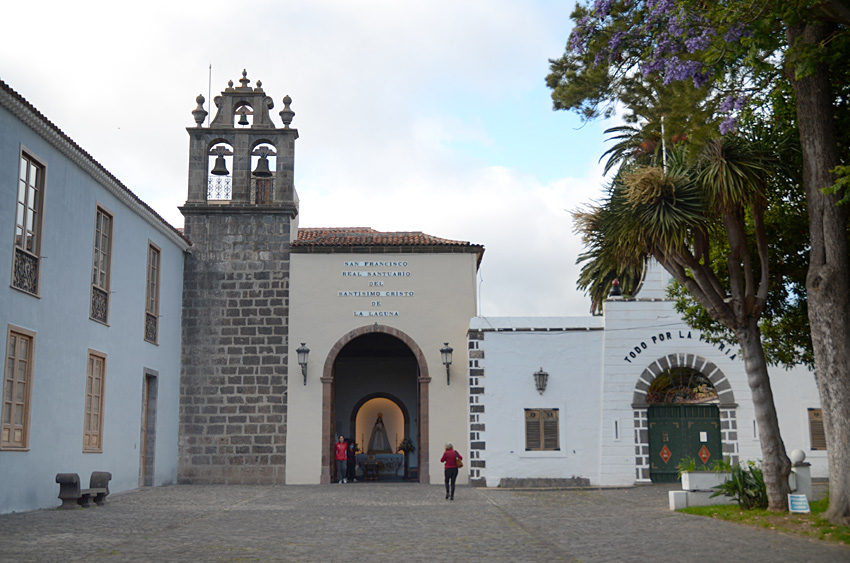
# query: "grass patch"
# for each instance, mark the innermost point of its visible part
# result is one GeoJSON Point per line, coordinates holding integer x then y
{"type": "Point", "coordinates": [807, 525]}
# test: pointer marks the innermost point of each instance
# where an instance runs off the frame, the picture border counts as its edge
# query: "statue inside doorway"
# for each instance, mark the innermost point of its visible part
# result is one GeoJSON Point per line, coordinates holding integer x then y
{"type": "Point", "coordinates": [378, 441]}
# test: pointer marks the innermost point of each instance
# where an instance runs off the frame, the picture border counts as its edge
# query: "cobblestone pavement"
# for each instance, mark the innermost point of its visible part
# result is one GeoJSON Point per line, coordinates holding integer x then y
{"type": "Point", "coordinates": [391, 522]}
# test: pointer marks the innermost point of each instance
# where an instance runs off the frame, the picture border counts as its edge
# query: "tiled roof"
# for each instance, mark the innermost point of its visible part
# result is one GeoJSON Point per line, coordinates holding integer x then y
{"type": "Point", "coordinates": [365, 236]}
{"type": "Point", "coordinates": [72, 149]}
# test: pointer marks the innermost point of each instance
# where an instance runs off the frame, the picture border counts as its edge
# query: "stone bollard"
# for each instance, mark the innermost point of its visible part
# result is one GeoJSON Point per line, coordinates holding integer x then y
{"type": "Point", "coordinates": [802, 472]}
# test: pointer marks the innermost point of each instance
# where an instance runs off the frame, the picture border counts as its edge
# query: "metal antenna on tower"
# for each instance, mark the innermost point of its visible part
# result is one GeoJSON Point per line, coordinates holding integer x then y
{"type": "Point", "coordinates": [209, 94]}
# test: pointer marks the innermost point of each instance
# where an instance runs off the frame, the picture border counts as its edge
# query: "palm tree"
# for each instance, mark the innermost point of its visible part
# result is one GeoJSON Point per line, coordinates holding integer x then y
{"type": "Point", "coordinates": [674, 216]}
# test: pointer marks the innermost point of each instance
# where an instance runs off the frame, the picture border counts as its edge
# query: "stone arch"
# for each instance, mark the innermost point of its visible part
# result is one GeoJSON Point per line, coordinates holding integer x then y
{"type": "Point", "coordinates": [423, 378]}
{"type": "Point", "coordinates": [698, 363]}
{"type": "Point", "coordinates": [726, 404]}
{"type": "Point", "coordinates": [380, 395]}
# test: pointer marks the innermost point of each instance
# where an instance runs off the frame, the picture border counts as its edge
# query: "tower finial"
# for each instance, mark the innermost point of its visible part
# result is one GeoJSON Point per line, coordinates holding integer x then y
{"type": "Point", "coordinates": [199, 112]}
{"type": "Point", "coordinates": [286, 114]}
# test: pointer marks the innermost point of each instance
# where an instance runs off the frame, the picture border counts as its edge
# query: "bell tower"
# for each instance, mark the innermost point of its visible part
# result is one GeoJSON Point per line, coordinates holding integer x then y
{"type": "Point", "coordinates": [241, 216]}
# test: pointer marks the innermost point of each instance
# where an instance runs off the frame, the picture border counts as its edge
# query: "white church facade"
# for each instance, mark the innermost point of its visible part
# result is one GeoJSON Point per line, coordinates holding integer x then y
{"type": "Point", "coordinates": [273, 339]}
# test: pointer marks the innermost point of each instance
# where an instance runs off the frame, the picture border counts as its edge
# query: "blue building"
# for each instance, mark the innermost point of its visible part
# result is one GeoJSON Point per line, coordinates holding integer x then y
{"type": "Point", "coordinates": [90, 319]}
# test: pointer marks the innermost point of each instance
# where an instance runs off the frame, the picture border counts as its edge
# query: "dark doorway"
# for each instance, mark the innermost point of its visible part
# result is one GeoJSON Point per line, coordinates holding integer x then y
{"type": "Point", "coordinates": [148, 438]}
{"type": "Point", "coordinates": [377, 366]}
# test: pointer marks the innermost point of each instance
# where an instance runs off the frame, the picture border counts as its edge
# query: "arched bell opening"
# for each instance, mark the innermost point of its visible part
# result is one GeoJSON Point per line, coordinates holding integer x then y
{"type": "Point", "coordinates": [220, 172]}
{"type": "Point", "coordinates": [243, 115]}
{"type": "Point", "coordinates": [377, 362]}
{"type": "Point", "coordinates": [263, 167]}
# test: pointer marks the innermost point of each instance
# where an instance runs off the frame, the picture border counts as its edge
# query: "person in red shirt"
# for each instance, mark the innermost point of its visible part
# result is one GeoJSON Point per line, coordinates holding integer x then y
{"type": "Point", "coordinates": [450, 458]}
{"type": "Point", "coordinates": [341, 449]}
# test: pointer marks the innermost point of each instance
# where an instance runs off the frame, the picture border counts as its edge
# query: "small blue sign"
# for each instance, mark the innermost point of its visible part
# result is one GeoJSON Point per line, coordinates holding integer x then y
{"type": "Point", "coordinates": [798, 504]}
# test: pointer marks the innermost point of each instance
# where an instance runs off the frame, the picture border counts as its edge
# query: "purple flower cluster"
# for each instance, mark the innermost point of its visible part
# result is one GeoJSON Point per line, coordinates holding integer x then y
{"type": "Point", "coordinates": [580, 36]}
{"type": "Point", "coordinates": [699, 40]}
{"type": "Point", "coordinates": [729, 124]}
{"type": "Point", "coordinates": [731, 106]}
{"type": "Point", "coordinates": [666, 32]}
{"type": "Point", "coordinates": [601, 8]}
{"type": "Point", "coordinates": [734, 33]}
{"type": "Point", "coordinates": [732, 103]}
{"type": "Point", "coordinates": [676, 69]}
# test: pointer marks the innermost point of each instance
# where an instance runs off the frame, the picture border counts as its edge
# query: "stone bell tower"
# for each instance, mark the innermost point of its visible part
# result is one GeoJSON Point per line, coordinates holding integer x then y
{"type": "Point", "coordinates": [241, 216]}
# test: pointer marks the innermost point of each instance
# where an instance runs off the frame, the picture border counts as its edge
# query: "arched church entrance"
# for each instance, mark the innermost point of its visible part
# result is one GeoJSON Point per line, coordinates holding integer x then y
{"type": "Point", "coordinates": [684, 411]}
{"type": "Point", "coordinates": [375, 392]}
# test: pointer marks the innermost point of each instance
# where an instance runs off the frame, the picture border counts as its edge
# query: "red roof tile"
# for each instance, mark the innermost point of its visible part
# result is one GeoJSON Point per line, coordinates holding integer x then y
{"type": "Point", "coordinates": [365, 236]}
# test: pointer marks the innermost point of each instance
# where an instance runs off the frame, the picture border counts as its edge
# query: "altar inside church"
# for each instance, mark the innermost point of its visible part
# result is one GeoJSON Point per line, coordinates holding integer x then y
{"type": "Point", "coordinates": [387, 466]}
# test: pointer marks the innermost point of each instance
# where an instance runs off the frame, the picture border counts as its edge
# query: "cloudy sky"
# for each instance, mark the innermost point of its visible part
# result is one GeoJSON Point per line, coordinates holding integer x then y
{"type": "Point", "coordinates": [413, 116]}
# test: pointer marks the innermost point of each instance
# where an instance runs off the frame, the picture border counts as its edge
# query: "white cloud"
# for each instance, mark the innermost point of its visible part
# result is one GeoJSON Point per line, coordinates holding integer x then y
{"type": "Point", "coordinates": [386, 96]}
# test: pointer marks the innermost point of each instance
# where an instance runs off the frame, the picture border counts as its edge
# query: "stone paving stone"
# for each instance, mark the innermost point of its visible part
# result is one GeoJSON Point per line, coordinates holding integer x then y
{"type": "Point", "coordinates": [390, 522]}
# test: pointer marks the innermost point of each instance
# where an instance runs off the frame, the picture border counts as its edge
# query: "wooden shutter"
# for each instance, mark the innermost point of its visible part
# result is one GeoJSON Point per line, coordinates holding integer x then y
{"type": "Point", "coordinates": [533, 430]}
{"type": "Point", "coordinates": [541, 430]}
{"type": "Point", "coordinates": [817, 434]}
{"type": "Point", "coordinates": [550, 430]}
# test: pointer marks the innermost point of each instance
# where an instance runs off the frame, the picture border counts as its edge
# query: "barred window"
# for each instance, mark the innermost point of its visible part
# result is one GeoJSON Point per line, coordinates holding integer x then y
{"type": "Point", "coordinates": [93, 419]}
{"type": "Point", "coordinates": [17, 387]}
{"type": "Point", "coordinates": [152, 295]}
{"type": "Point", "coordinates": [25, 268]}
{"type": "Point", "coordinates": [541, 430]}
{"type": "Point", "coordinates": [101, 262]}
{"type": "Point", "coordinates": [817, 435]}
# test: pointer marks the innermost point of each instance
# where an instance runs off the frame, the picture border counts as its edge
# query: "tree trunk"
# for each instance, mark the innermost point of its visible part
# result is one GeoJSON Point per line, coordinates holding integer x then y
{"type": "Point", "coordinates": [775, 463]}
{"type": "Point", "coordinates": [829, 268]}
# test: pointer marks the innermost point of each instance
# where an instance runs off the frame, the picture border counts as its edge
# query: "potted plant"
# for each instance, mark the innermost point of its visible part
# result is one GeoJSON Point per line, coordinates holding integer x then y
{"type": "Point", "coordinates": [406, 447]}
{"type": "Point", "coordinates": [699, 477]}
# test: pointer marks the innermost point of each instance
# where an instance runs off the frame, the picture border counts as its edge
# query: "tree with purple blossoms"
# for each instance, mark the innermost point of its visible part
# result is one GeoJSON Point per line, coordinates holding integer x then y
{"type": "Point", "coordinates": [739, 51]}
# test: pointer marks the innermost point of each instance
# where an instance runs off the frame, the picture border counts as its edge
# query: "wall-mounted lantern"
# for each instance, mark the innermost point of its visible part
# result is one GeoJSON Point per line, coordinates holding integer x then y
{"type": "Point", "coordinates": [446, 353]}
{"type": "Point", "coordinates": [540, 380]}
{"type": "Point", "coordinates": [303, 352]}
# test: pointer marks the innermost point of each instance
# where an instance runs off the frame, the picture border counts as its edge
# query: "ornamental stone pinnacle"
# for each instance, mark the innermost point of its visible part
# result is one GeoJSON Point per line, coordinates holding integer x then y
{"type": "Point", "coordinates": [199, 112]}
{"type": "Point", "coordinates": [244, 80]}
{"type": "Point", "coordinates": [286, 114]}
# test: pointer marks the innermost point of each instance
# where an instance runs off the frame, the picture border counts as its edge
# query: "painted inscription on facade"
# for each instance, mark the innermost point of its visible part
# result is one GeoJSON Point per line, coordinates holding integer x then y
{"type": "Point", "coordinates": [682, 334]}
{"type": "Point", "coordinates": [374, 290]}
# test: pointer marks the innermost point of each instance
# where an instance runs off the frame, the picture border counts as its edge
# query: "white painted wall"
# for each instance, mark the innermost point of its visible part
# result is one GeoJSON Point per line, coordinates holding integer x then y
{"type": "Point", "coordinates": [439, 311]}
{"type": "Point", "coordinates": [592, 381]}
{"type": "Point", "coordinates": [515, 348]}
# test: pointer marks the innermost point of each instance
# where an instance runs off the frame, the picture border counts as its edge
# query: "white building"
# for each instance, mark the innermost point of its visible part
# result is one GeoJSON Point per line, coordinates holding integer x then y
{"type": "Point", "coordinates": [606, 424]}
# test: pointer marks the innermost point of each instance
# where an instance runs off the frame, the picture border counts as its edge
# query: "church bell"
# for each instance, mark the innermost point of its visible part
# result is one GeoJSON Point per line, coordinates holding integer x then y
{"type": "Point", "coordinates": [262, 169]}
{"type": "Point", "coordinates": [243, 117]}
{"type": "Point", "coordinates": [220, 167]}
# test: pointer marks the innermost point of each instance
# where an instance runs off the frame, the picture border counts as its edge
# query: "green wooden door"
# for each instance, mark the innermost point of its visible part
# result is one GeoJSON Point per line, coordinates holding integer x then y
{"type": "Point", "coordinates": [681, 431]}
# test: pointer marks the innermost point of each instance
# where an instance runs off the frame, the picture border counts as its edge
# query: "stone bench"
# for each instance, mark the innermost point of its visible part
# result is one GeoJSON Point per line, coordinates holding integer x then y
{"type": "Point", "coordinates": [72, 495]}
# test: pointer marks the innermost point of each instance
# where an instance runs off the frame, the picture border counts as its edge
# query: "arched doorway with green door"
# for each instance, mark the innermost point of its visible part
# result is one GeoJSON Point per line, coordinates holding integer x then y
{"type": "Point", "coordinates": [684, 410]}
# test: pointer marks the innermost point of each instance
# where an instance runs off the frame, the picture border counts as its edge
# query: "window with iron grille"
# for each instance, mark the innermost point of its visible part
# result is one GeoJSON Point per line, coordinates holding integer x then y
{"type": "Point", "coordinates": [93, 419]}
{"type": "Point", "coordinates": [25, 268]}
{"type": "Point", "coordinates": [817, 435]}
{"type": "Point", "coordinates": [152, 294]}
{"type": "Point", "coordinates": [17, 387]}
{"type": "Point", "coordinates": [541, 430]}
{"type": "Point", "coordinates": [101, 262]}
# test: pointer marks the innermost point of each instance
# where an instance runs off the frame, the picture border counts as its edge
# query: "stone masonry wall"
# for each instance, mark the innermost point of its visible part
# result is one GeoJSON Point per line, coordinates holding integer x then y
{"type": "Point", "coordinates": [477, 445]}
{"type": "Point", "coordinates": [233, 380]}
